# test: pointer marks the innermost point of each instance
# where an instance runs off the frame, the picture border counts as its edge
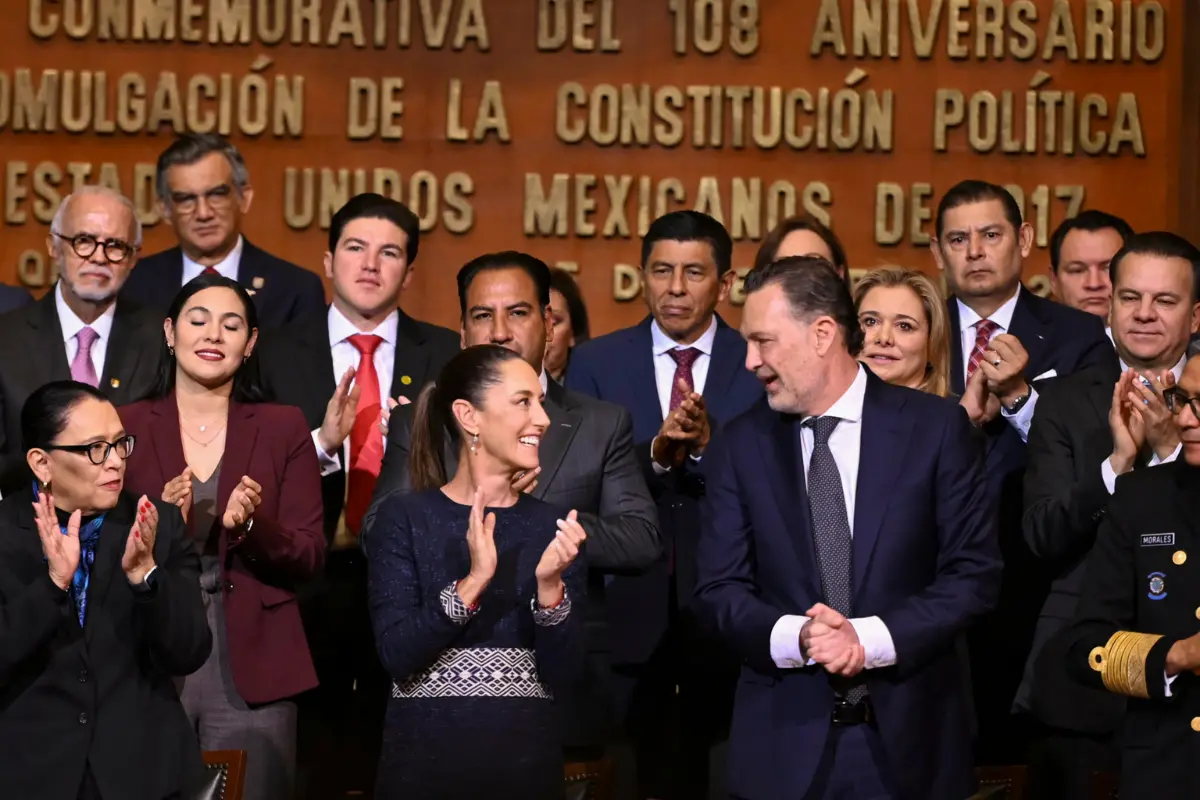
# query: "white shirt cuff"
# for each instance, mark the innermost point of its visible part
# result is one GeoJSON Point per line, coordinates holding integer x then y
{"type": "Point", "coordinates": [785, 642]}
{"type": "Point", "coordinates": [1155, 461]}
{"type": "Point", "coordinates": [1167, 681]}
{"type": "Point", "coordinates": [658, 468]}
{"type": "Point", "coordinates": [329, 463]}
{"type": "Point", "coordinates": [1108, 475]}
{"type": "Point", "coordinates": [876, 640]}
{"type": "Point", "coordinates": [1024, 416]}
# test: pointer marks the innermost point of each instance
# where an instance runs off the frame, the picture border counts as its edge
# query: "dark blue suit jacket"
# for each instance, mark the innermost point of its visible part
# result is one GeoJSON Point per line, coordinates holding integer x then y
{"type": "Point", "coordinates": [282, 291]}
{"type": "Point", "coordinates": [925, 561]}
{"type": "Point", "coordinates": [13, 297]}
{"type": "Point", "coordinates": [619, 368]}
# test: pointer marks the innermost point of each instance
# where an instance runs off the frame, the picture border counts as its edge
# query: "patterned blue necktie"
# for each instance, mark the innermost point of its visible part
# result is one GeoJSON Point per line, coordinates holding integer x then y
{"type": "Point", "coordinates": [89, 534]}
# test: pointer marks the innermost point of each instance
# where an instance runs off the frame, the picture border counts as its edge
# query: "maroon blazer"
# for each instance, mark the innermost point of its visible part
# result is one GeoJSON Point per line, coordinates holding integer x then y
{"type": "Point", "coordinates": [285, 547]}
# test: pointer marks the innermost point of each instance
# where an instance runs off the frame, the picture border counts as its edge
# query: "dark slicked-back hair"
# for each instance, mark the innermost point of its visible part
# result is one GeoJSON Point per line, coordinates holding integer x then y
{"type": "Point", "coordinates": [1091, 220]}
{"type": "Point", "coordinates": [1163, 244]}
{"type": "Point", "coordinates": [375, 206]}
{"type": "Point", "coordinates": [972, 191]}
{"type": "Point", "coordinates": [813, 288]}
{"type": "Point", "coordinates": [690, 226]}
{"type": "Point", "coordinates": [532, 266]}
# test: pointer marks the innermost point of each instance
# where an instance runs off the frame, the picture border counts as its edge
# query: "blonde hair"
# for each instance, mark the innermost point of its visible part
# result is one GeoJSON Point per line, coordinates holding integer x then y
{"type": "Point", "coordinates": [937, 368]}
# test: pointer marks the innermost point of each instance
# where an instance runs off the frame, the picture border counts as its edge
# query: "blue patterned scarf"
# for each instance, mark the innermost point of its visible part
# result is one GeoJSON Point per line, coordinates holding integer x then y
{"type": "Point", "coordinates": [89, 534]}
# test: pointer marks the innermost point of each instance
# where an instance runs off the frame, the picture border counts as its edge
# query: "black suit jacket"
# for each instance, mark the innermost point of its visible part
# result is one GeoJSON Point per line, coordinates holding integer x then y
{"type": "Point", "coordinates": [1065, 499]}
{"type": "Point", "coordinates": [1142, 577]}
{"type": "Point", "coordinates": [282, 291]}
{"type": "Point", "coordinates": [296, 364]}
{"type": "Point", "coordinates": [101, 696]}
{"type": "Point", "coordinates": [34, 354]}
{"type": "Point", "coordinates": [13, 297]}
{"type": "Point", "coordinates": [588, 464]}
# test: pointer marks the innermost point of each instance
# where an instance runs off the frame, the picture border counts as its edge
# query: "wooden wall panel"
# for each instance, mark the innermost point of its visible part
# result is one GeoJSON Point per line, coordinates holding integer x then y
{"type": "Point", "coordinates": [1148, 102]}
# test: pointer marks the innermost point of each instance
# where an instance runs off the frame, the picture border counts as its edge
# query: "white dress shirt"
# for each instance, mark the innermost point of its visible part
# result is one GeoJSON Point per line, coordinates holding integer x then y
{"type": "Point", "coordinates": [346, 356]}
{"type": "Point", "coordinates": [227, 266]}
{"type": "Point", "coordinates": [1106, 469]}
{"type": "Point", "coordinates": [71, 326]}
{"type": "Point", "coordinates": [1003, 319]}
{"type": "Point", "coordinates": [846, 445]}
{"type": "Point", "coordinates": [664, 368]}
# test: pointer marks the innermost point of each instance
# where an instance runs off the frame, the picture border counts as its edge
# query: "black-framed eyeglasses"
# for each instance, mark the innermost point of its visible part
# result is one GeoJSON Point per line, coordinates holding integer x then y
{"type": "Point", "coordinates": [1177, 398]}
{"type": "Point", "coordinates": [97, 452]}
{"type": "Point", "coordinates": [84, 245]}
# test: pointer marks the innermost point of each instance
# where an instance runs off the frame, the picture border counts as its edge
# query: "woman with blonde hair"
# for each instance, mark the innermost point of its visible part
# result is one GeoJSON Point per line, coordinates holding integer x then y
{"type": "Point", "coordinates": [906, 337]}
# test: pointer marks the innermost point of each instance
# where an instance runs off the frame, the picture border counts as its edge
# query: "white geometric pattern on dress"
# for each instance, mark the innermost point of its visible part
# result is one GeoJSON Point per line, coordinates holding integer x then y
{"type": "Point", "coordinates": [477, 672]}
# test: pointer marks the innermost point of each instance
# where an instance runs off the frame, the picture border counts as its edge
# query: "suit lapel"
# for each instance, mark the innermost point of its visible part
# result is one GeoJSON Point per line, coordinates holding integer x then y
{"type": "Point", "coordinates": [564, 424]}
{"type": "Point", "coordinates": [240, 436]}
{"type": "Point", "coordinates": [1100, 393]}
{"type": "Point", "coordinates": [783, 467]}
{"type": "Point", "coordinates": [110, 548]}
{"type": "Point", "coordinates": [124, 353]}
{"type": "Point", "coordinates": [48, 353]}
{"type": "Point", "coordinates": [317, 354]}
{"type": "Point", "coordinates": [884, 441]}
{"type": "Point", "coordinates": [641, 376]}
{"type": "Point", "coordinates": [723, 368]}
{"type": "Point", "coordinates": [411, 360]}
{"type": "Point", "coordinates": [250, 272]}
{"type": "Point", "coordinates": [1028, 326]}
{"type": "Point", "coordinates": [958, 382]}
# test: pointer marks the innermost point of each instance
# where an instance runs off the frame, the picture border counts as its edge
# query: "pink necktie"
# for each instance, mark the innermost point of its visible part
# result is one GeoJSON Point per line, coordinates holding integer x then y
{"type": "Point", "coordinates": [685, 358]}
{"type": "Point", "coordinates": [82, 368]}
{"type": "Point", "coordinates": [983, 337]}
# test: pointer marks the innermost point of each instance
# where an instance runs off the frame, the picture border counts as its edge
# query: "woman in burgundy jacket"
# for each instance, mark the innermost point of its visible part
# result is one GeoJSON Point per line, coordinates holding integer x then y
{"type": "Point", "coordinates": [245, 476]}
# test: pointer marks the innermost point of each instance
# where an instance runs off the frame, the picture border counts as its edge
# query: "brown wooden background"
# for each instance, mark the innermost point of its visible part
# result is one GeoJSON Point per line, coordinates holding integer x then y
{"type": "Point", "coordinates": [1159, 190]}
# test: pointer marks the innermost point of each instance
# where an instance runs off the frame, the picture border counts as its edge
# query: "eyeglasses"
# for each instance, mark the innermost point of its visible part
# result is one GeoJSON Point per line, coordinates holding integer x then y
{"type": "Point", "coordinates": [1177, 398]}
{"type": "Point", "coordinates": [217, 199]}
{"type": "Point", "coordinates": [97, 452]}
{"type": "Point", "coordinates": [85, 245]}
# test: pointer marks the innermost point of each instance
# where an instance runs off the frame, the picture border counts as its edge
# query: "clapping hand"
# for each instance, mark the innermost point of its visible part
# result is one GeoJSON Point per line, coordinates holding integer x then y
{"type": "Point", "coordinates": [829, 639]}
{"type": "Point", "coordinates": [340, 413]}
{"type": "Point", "coordinates": [526, 480]}
{"type": "Point", "coordinates": [385, 415]}
{"type": "Point", "coordinates": [558, 555]}
{"type": "Point", "coordinates": [62, 551]}
{"type": "Point", "coordinates": [981, 405]}
{"type": "Point", "coordinates": [243, 502]}
{"type": "Point", "coordinates": [178, 492]}
{"type": "Point", "coordinates": [1127, 426]}
{"type": "Point", "coordinates": [481, 544]}
{"type": "Point", "coordinates": [1158, 424]}
{"type": "Point", "coordinates": [685, 430]}
{"type": "Point", "coordinates": [139, 546]}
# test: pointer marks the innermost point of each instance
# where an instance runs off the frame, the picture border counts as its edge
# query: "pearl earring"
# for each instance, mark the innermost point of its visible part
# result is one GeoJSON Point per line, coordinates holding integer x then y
{"type": "Point", "coordinates": [474, 442]}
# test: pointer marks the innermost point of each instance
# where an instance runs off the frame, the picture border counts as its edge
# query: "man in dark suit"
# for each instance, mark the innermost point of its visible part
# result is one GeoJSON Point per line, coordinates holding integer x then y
{"type": "Point", "coordinates": [587, 463]}
{"type": "Point", "coordinates": [1084, 436]}
{"type": "Point", "coordinates": [1081, 250]}
{"type": "Point", "coordinates": [1017, 341]}
{"type": "Point", "coordinates": [848, 538]}
{"type": "Point", "coordinates": [79, 329]}
{"type": "Point", "coordinates": [13, 297]}
{"type": "Point", "coordinates": [677, 685]}
{"type": "Point", "coordinates": [345, 368]}
{"type": "Point", "coordinates": [204, 192]}
{"type": "Point", "coordinates": [1135, 631]}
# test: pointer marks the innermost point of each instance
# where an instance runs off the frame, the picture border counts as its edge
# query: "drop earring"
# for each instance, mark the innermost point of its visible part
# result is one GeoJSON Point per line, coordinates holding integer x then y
{"type": "Point", "coordinates": [171, 351]}
{"type": "Point", "coordinates": [474, 442]}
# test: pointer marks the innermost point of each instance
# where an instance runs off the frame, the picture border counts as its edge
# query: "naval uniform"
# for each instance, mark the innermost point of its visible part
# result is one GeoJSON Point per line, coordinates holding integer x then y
{"type": "Point", "coordinates": [1142, 594]}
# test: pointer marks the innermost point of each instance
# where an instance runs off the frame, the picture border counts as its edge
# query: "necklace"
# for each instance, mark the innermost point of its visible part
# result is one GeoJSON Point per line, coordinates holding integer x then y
{"type": "Point", "coordinates": [203, 442]}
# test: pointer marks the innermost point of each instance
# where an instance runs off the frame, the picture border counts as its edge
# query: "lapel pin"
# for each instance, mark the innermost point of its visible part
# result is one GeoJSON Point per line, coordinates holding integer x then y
{"type": "Point", "coordinates": [115, 383]}
{"type": "Point", "coordinates": [258, 282]}
{"type": "Point", "coordinates": [405, 380]}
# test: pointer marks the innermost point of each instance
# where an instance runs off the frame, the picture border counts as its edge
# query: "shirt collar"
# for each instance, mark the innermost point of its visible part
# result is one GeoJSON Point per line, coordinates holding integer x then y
{"type": "Point", "coordinates": [1002, 316]}
{"type": "Point", "coordinates": [227, 267]}
{"type": "Point", "coordinates": [663, 343]}
{"type": "Point", "coordinates": [341, 329]}
{"type": "Point", "coordinates": [1176, 370]}
{"type": "Point", "coordinates": [544, 381]}
{"type": "Point", "coordinates": [71, 324]}
{"type": "Point", "coordinates": [849, 407]}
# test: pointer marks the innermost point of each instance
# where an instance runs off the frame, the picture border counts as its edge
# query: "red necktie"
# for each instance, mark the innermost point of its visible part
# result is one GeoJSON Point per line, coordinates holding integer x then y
{"type": "Point", "coordinates": [983, 336]}
{"type": "Point", "coordinates": [210, 271]}
{"type": "Point", "coordinates": [684, 359]}
{"type": "Point", "coordinates": [366, 442]}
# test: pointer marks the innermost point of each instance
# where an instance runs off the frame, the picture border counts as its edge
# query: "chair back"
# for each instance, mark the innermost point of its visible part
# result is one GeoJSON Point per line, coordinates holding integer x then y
{"type": "Point", "coordinates": [225, 775]}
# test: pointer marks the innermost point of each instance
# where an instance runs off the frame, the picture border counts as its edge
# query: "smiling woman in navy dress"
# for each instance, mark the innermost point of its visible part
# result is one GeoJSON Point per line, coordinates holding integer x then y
{"type": "Point", "coordinates": [471, 587]}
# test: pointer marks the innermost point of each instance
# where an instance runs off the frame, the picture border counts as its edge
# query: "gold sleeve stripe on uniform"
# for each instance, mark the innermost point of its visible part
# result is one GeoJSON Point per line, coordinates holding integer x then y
{"type": "Point", "coordinates": [1122, 662]}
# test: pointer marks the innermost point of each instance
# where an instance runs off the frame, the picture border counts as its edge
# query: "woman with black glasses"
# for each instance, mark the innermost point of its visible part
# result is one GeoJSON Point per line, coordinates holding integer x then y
{"type": "Point", "coordinates": [244, 475]}
{"type": "Point", "coordinates": [98, 610]}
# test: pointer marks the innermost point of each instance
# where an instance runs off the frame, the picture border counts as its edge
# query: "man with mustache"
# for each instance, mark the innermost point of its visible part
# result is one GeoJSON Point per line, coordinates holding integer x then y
{"type": "Point", "coordinates": [1086, 434]}
{"type": "Point", "coordinates": [1018, 340]}
{"type": "Point", "coordinates": [79, 330]}
{"type": "Point", "coordinates": [1135, 631]}
{"type": "Point", "coordinates": [587, 462]}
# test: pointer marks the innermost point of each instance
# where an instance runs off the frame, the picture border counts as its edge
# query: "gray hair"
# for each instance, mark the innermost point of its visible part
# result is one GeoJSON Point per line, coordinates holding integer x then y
{"type": "Point", "coordinates": [190, 148]}
{"type": "Point", "coordinates": [97, 191]}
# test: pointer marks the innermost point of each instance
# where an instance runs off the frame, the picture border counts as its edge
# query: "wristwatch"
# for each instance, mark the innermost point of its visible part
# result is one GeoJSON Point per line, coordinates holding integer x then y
{"type": "Point", "coordinates": [1019, 402]}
